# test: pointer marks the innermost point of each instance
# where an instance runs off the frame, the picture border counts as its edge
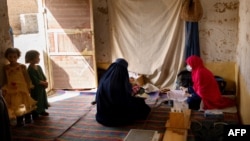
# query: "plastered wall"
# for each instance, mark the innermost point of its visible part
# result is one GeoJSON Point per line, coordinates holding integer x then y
{"type": "Point", "coordinates": [101, 28]}
{"type": "Point", "coordinates": [5, 41]}
{"type": "Point", "coordinates": [218, 30]}
{"type": "Point", "coordinates": [18, 7]}
{"type": "Point", "coordinates": [243, 57]}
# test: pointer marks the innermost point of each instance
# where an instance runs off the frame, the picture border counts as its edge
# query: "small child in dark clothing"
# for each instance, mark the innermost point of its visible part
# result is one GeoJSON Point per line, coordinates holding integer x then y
{"type": "Point", "coordinates": [39, 81]}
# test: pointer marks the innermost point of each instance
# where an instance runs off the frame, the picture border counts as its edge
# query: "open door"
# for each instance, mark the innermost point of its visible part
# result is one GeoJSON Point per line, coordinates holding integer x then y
{"type": "Point", "coordinates": [71, 51]}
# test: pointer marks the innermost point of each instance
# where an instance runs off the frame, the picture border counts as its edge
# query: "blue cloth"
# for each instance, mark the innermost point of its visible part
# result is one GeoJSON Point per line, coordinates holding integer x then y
{"type": "Point", "coordinates": [115, 104]}
{"type": "Point", "coordinates": [192, 44]}
{"type": "Point", "coordinates": [11, 36]}
{"type": "Point", "coordinates": [193, 101]}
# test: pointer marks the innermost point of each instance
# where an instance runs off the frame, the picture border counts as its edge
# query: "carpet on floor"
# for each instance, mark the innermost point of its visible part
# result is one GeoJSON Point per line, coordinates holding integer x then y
{"type": "Point", "coordinates": [72, 118]}
{"type": "Point", "coordinates": [66, 108]}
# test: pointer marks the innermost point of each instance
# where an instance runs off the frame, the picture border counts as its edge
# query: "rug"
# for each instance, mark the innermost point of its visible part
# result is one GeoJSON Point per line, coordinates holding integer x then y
{"type": "Point", "coordinates": [72, 118]}
{"type": "Point", "coordinates": [87, 129]}
{"type": "Point", "coordinates": [66, 108]}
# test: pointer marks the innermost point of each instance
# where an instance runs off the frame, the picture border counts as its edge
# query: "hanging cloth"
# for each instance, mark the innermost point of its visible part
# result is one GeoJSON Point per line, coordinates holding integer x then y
{"type": "Point", "coordinates": [192, 44]}
{"type": "Point", "coordinates": [191, 11]}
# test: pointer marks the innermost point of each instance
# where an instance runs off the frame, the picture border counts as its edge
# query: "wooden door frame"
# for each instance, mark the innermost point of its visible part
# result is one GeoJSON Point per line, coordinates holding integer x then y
{"type": "Point", "coordinates": [49, 65]}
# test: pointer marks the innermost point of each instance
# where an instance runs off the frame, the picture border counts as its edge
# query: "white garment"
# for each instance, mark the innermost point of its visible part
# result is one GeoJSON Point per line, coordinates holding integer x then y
{"type": "Point", "coordinates": [149, 34]}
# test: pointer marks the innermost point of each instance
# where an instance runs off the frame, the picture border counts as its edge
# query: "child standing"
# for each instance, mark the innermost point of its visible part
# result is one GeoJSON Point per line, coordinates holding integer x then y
{"type": "Point", "coordinates": [39, 81]}
{"type": "Point", "coordinates": [16, 88]}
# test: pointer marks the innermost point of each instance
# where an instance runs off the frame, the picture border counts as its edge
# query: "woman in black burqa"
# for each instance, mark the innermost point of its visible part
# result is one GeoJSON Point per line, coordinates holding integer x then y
{"type": "Point", "coordinates": [115, 104]}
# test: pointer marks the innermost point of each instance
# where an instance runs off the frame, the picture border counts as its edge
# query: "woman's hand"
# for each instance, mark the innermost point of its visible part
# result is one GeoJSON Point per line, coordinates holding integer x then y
{"type": "Point", "coordinates": [184, 89]}
{"type": "Point", "coordinates": [164, 90]}
{"type": "Point", "coordinates": [44, 83]}
{"type": "Point", "coordinates": [188, 95]}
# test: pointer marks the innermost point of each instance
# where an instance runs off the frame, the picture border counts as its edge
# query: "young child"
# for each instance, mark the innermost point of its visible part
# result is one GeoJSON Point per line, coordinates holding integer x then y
{"type": "Point", "coordinates": [137, 90]}
{"type": "Point", "coordinates": [39, 81]}
{"type": "Point", "coordinates": [16, 88]}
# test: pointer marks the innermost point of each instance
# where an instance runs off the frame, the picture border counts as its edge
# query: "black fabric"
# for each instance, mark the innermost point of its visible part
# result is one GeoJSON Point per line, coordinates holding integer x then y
{"type": "Point", "coordinates": [221, 83]}
{"type": "Point", "coordinates": [208, 130]}
{"type": "Point", "coordinates": [193, 101]}
{"type": "Point", "coordinates": [192, 44]}
{"type": "Point", "coordinates": [5, 132]}
{"type": "Point", "coordinates": [184, 79]}
{"type": "Point", "coordinates": [115, 104]}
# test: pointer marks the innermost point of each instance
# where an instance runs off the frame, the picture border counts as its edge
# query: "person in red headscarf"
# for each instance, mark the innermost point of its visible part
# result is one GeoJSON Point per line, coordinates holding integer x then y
{"type": "Point", "coordinates": [205, 86]}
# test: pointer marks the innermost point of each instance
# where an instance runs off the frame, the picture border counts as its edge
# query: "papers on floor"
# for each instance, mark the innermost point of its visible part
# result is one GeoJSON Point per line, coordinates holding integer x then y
{"type": "Point", "coordinates": [142, 135]}
{"type": "Point", "coordinates": [213, 114]}
{"type": "Point", "coordinates": [176, 95]}
{"type": "Point", "coordinates": [144, 95]}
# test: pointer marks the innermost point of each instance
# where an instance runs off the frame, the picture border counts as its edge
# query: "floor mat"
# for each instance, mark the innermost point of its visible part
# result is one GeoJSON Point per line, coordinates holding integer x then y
{"type": "Point", "coordinates": [65, 110]}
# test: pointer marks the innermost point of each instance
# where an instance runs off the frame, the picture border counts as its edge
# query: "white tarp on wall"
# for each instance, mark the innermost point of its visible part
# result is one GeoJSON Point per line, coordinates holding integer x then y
{"type": "Point", "coordinates": [149, 34]}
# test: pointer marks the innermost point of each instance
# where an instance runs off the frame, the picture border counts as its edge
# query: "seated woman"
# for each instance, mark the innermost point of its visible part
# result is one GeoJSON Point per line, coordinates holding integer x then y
{"type": "Point", "coordinates": [204, 87]}
{"type": "Point", "coordinates": [115, 104]}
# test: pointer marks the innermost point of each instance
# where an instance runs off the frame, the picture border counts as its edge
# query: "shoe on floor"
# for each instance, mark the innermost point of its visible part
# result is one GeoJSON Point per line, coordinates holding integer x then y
{"type": "Point", "coordinates": [93, 102]}
{"type": "Point", "coordinates": [27, 121]}
{"type": "Point", "coordinates": [44, 114]}
{"type": "Point", "coordinates": [35, 115]}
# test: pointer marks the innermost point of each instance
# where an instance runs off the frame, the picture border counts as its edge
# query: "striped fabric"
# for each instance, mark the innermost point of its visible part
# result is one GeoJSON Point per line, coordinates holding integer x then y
{"type": "Point", "coordinates": [73, 119]}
